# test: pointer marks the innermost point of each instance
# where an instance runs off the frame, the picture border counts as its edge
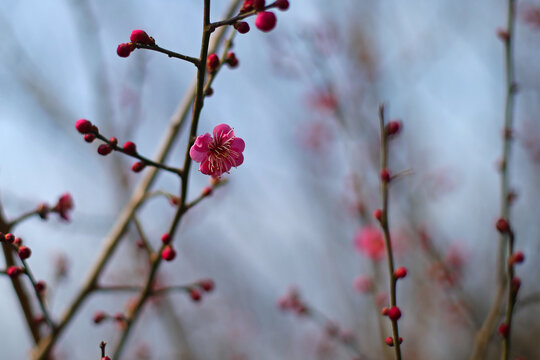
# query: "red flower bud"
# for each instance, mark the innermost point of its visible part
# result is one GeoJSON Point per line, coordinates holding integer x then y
{"type": "Point", "coordinates": [195, 295]}
{"type": "Point", "coordinates": [232, 61]}
{"type": "Point", "coordinates": [138, 166]}
{"type": "Point", "coordinates": [385, 175]}
{"type": "Point", "coordinates": [124, 49]}
{"type": "Point", "coordinates": [24, 252]}
{"type": "Point", "coordinates": [104, 149]}
{"type": "Point", "coordinates": [9, 237]}
{"type": "Point", "coordinates": [166, 238]}
{"type": "Point", "coordinates": [212, 63]}
{"type": "Point", "coordinates": [377, 214]}
{"type": "Point", "coordinates": [394, 313]}
{"type": "Point", "coordinates": [282, 4]}
{"type": "Point", "coordinates": [503, 330]}
{"type": "Point", "coordinates": [99, 317]}
{"type": "Point", "coordinates": [503, 226]}
{"type": "Point", "coordinates": [207, 285]}
{"type": "Point", "coordinates": [242, 27]}
{"type": "Point", "coordinates": [130, 148]}
{"type": "Point", "coordinates": [400, 272]}
{"type": "Point", "coordinates": [393, 127]}
{"type": "Point", "coordinates": [89, 138]}
{"type": "Point", "coordinates": [14, 271]}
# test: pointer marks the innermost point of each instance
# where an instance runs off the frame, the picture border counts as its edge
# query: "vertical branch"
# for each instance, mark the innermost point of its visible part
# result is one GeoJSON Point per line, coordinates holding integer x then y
{"type": "Point", "coordinates": [137, 198]}
{"type": "Point", "coordinates": [182, 208]}
{"type": "Point", "coordinates": [484, 334]}
{"type": "Point", "coordinates": [386, 231]}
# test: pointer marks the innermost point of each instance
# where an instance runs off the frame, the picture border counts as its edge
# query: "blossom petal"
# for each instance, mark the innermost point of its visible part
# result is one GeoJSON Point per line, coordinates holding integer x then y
{"type": "Point", "coordinates": [205, 167]}
{"type": "Point", "coordinates": [238, 160]}
{"type": "Point", "coordinates": [238, 145]}
{"type": "Point", "coordinates": [199, 150]}
{"type": "Point", "coordinates": [223, 132]}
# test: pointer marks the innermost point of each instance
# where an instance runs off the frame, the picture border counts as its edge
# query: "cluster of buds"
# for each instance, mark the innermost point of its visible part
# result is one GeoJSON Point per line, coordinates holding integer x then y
{"type": "Point", "coordinates": [291, 301]}
{"type": "Point", "coordinates": [265, 20]}
{"type": "Point", "coordinates": [196, 290]}
{"type": "Point", "coordinates": [137, 37]}
{"type": "Point", "coordinates": [91, 132]}
{"type": "Point", "coordinates": [62, 208]}
{"type": "Point", "coordinates": [24, 252]}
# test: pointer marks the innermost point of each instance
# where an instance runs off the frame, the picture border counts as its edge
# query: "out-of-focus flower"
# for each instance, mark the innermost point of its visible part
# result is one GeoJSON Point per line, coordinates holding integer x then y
{"type": "Point", "coordinates": [219, 153]}
{"type": "Point", "coordinates": [369, 241]}
{"type": "Point", "coordinates": [64, 206]}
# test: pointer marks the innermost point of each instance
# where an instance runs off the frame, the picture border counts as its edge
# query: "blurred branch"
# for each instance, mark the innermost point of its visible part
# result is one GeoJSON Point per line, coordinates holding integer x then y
{"type": "Point", "coordinates": [386, 229]}
{"type": "Point", "coordinates": [488, 327]}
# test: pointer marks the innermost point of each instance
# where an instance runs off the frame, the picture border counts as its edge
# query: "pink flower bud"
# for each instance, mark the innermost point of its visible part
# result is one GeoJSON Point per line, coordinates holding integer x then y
{"type": "Point", "coordinates": [265, 21]}
{"type": "Point", "coordinates": [168, 253]}
{"type": "Point", "coordinates": [207, 285]}
{"type": "Point", "coordinates": [393, 127]}
{"type": "Point", "coordinates": [377, 214]}
{"type": "Point", "coordinates": [385, 175]}
{"type": "Point", "coordinates": [503, 226]}
{"type": "Point", "coordinates": [140, 36]}
{"type": "Point", "coordinates": [232, 61]}
{"type": "Point", "coordinates": [89, 138]}
{"type": "Point", "coordinates": [99, 317]}
{"type": "Point", "coordinates": [83, 126]}
{"type": "Point", "coordinates": [166, 238]}
{"type": "Point", "coordinates": [195, 295]}
{"type": "Point", "coordinates": [14, 271]}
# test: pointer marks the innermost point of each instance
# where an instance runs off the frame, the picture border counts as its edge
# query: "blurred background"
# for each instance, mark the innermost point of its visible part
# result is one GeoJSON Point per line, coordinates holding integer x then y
{"type": "Point", "coordinates": [304, 99]}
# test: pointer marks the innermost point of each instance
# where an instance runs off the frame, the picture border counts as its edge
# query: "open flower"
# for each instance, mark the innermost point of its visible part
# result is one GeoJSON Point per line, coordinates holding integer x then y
{"type": "Point", "coordinates": [64, 206]}
{"type": "Point", "coordinates": [219, 153]}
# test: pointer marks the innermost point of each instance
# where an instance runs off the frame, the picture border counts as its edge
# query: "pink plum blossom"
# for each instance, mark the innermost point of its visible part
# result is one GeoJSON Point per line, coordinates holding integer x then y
{"type": "Point", "coordinates": [369, 241]}
{"type": "Point", "coordinates": [219, 153]}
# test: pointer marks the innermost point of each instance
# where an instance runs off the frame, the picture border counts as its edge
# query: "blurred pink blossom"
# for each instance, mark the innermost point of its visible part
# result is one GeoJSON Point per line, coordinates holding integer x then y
{"type": "Point", "coordinates": [369, 241]}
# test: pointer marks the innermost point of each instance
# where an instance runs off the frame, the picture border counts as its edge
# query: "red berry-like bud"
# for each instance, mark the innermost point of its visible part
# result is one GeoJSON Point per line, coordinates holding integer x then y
{"type": "Point", "coordinates": [195, 295]}
{"type": "Point", "coordinates": [265, 21]}
{"type": "Point", "coordinates": [113, 141]}
{"type": "Point", "coordinates": [119, 317]}
{"type": "Point", "coordinates": [207, 191]}
{"type": "Point", "coordinates": [105, 358]}
{"type": "Point", "coordinates": [503, 226]}
{"type": "Point", "coordinates": [517, 258]}
{"type": "Point", "coordinates": [104, 149]}
{"type": "Point", "coordinates": [377, 214]}
{"type": "Point", "coordinates": [9, 237]}
{"type": "Point", "coordinates": [40, 286]}
{"type": "Point", "coordinates": [385, 175]}
{"type": "Point", "coordinates": [99, 317]}
{"type": "Point", "coordinates": [209, 91]}
{"type": "Point", "coordinates": [250, 5]}
{"type": "Point", "coordinates": [393, 127]}
{"type": "Point", "coordinates": [232, 61]}
{"type": "Point", "coordinates": [503, 330]}
{"type": "Point", "coordinates": [14, 271]}
{"type": "Point", "coordinates": [140, 36]}
{"type": "Point", "coordinates": [24, 252]}
{"type": "Point", "coordinates": [242, 27]}
{"type": "Point", "coordinates": [166, 238]}
{"type": "Point", "coordinates": [130, 148]}
{"type": "Point", "coordinates": [89, 138]}
{"type": "Point", "coordinates": [124, 49]}
{"type": "Point", "coordinates": [384, 311]}
{"type": "Point", "coordinates": [168, 253]}
{"type": "Point", "coordinates": [212, 63]}
{"type": "Point", "coordinates": [394, 313]}
{"type": "Point", "coordinates": [17, 241]}
{"type": "Point", "coordinates": [83, 126]}
{"type": "Point", "coordinates": [282, 4]}
{"type": "Point", "coordinates": [138, 166]}
{"type": "Point", "coordinates": [207, 285]}
{"type": "Point", "coordinates": [400, 272]}
{"type": "Point", "coordinates": [389, 341]}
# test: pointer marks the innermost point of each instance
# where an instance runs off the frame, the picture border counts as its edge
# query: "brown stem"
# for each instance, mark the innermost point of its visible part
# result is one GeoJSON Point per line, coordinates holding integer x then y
{"type": "Point", "coordinates": [170, 53]}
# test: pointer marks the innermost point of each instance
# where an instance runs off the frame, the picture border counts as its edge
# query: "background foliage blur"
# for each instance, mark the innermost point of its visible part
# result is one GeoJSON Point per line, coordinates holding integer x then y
{"type": "Point", "coordinates": [305, 101]}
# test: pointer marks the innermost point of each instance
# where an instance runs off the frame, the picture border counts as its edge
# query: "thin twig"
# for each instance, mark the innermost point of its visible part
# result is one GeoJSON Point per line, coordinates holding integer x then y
{"type": "Point", "coordinates": [170, 53]}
